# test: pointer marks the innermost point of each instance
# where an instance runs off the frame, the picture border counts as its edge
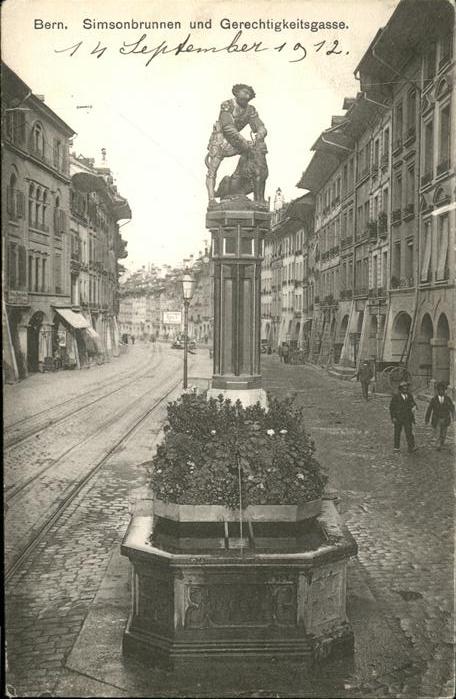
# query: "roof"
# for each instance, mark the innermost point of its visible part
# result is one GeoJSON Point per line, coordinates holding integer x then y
{"type": "Point", "coordinates": [26, 92]}
{"type": "Point", "coordinates": [413, 24]}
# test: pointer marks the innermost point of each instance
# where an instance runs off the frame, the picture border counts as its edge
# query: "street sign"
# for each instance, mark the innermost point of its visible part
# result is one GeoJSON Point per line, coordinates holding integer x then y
{"type": "Point", "coordinates": [172, 317]}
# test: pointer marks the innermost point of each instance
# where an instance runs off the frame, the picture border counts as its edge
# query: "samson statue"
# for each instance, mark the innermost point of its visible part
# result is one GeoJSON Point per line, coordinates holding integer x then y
{"type": "Point", "coordinates": [226, 140]}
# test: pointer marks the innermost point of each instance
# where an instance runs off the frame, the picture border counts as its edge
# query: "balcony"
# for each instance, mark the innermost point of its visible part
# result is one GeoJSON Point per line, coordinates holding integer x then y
{"type": "Point", "coordinates": [377, 292]}
{"type": "Point", "coordinates": [329, 300]}
{"type": "Point", "coordinates": [397, 146]}
{"type": "Point", "coordinates": [346, 294]}
{"type": "Point", "coordinates": [372, 228]}
{"type": "Point", "coordinates": [363, 173]}
{"type": "Point", "coordinates": [426, 178]}
{"type": "Point", "coordinates": [443, 166]}
{"type": "Point", "coordinates": [409, 212]}
{"type": "Point", "coordinates": [382, 224]}
{"type": "Point", "coordinates": [39, 227]}
{"type": "Point", "coordinates": [444, 61]}
{"type": "Point", "coordinates": [345, 242]}
{"type": "Point", "coordinates": [396, 217]}
{"type": "Point", "coordinates": [384, 160]}
{"type": "Point", "coordinates": [361, 291]}
{"type": "Point", "coordinates": [411, 136]}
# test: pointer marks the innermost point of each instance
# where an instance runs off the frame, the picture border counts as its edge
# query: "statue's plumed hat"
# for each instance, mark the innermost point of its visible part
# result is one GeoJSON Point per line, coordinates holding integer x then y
{"type": "Point", "coordinates": [241, 86]}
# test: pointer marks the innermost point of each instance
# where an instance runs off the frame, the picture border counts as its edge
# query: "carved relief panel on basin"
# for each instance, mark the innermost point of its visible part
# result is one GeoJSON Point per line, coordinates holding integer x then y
{"type": "Point", "coordinates": [249, 604]}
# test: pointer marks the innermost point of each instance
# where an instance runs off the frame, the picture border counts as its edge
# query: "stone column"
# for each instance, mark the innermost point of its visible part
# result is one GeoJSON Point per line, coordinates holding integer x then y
{"type": "Point", "coordinates": [440, 359]}
{"type": "Point", "coordinates": [238, 228]}
{"type": "Point", "coordinates": [22, 332]}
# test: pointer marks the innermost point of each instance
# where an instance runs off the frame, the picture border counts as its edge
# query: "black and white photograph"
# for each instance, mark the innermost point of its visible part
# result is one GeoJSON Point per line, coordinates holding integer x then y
{"type": "Point", "coordinates": [228, 334]}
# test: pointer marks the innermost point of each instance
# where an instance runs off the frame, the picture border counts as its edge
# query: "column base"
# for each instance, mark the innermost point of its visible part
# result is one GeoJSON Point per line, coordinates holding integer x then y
{"type": "Point", "coordinates": [247, 396]}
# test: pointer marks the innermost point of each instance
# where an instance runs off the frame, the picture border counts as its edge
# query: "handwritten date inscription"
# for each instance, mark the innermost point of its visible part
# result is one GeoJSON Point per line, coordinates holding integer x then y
{"type": "Point", "coordinates": [296, 51]}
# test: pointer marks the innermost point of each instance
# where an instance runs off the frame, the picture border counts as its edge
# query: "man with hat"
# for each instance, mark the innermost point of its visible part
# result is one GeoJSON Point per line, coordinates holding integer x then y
{"type": "Point", "coordinates": [440, 411]}
{"type": "Point", "coordinates": [402, 409]}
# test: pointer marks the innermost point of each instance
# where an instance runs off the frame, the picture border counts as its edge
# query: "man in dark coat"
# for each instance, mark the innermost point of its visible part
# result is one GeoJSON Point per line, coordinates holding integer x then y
{"type": "Point", "coordinates": [402, 409]}
{"type": "Point", "coordinates": [441, 412]}
{"type": "Point", "coordinates": [364, 376]}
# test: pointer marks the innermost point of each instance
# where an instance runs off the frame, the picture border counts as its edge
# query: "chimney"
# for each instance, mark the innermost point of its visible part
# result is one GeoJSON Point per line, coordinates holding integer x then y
{"type": "Point", "coordinates": [40, 97]}
{"type": "Point", "coordinates": [103, 157]}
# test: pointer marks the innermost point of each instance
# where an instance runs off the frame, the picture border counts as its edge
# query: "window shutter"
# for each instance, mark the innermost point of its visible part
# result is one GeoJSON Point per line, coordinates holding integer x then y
{"type": "Point", "coordinates": [56, 221]}
{"type": "Point", "coordinates": [20, 204]}
{"type": "Point", "coordinates": [427, 255]}
{"type": "Point", "coordinates": [22, 267]}
{"type": "Point", "coordinates": [9, 200]}
{"type": "Point", "coordinates": [62, 221]}
{"type": "Point", "coordinates": [58, 273]}
{"type": "Point", "coordinates": [443, 248]}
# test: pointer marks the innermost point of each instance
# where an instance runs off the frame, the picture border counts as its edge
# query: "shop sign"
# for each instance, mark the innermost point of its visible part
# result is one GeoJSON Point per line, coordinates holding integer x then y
{"type": "Point", "coordinates": [62, 338]}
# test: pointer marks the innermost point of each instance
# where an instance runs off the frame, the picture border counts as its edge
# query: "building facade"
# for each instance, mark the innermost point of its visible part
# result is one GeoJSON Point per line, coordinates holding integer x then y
{"type": "Point", "coordinates": [379, 262]}
{"type": "Point", "coordinates": [60, 242]}
{"type": "Point", "coordinates": [35, 242]}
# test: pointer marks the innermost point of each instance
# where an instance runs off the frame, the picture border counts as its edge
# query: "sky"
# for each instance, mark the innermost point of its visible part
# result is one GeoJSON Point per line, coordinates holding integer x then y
{"type": "Point", "coordinates": [155, 120]}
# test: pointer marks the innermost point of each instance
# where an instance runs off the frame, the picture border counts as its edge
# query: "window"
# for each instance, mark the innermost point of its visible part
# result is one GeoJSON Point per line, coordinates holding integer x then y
{"type": "Point", "coordinates": [410, 189]}
{"type": "Point", "coordinates": [446, 50]}
{"type": "Point", "coordinates": [427, 248]}
{"type": "Point", "coordinates": [384, 270]}
{"type": "Point", "coordinates": [58, 274]}
{"type": "Point", "coordinates": [12, 265]}
{"type": "Point", "coordinates": [428, 149]}
{"type": "Point", "coordinates": [411, 113]}
{"type": "Point", "coordinates": [385, 200]}
{"type": "Point", "coordinates": [15, 126]}
{"type": "Point", "coordinates": [429, 63]}
{"type": "Point", "coordinates": [444, 140]}
{"type": "Point", "coordinates": [376, 157]}
{"type": "Point", "coordinates": [408, 262]}
{"type": "Point", "coordinates": [442, 252]}
{"type": "Point", "coordinates": [398, 124]}
{"type": "Point", "coordinates": [30, 273]}
{"type": "Point", "coordinates": [396, 262]}
{"type": "Point", "coordinates": [57, 160]}
{"type": "Point", "coordinates": [37, 140]}
{"type": "Point", "coordinates": [398, 192]}
{"type": "Point", "coordinates": [37, 274]}
{"type": "Point", "coordinates": [22, 267]}
{"type": "Point", "coordinates": [386, 138]}
{"type": "Point", "coordinates": [43, 274]}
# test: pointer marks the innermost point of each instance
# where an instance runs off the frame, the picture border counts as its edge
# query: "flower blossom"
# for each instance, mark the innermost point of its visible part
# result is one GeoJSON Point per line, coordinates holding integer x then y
{"type": "Point", "coordinates": [300, 476]}
{"type": "Point", "coordinates": [213, 431]}
{"type": "Point", "coordinates": [270, 432]}
{"type": "Point", "coordinates": [284, 431]}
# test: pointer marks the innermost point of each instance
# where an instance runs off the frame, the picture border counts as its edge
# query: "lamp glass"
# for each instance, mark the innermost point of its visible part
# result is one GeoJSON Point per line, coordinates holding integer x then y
{"type": "Point", "coordinates": [188, 285]}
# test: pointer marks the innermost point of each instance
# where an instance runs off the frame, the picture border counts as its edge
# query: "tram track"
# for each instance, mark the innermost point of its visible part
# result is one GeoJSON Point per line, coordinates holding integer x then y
{"type": "Point", "coordinates": [73, 491]}
{"type": "Point", "coordinates": [14, 441]}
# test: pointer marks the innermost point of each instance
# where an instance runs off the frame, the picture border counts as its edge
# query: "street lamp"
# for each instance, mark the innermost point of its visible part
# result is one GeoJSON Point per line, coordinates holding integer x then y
{"type": "Point", "coordinates": [188, 285]}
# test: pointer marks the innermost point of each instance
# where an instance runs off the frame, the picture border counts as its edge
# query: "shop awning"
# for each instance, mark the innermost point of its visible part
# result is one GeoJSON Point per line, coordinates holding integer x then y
{"type": "Point", "coordinates": [76, 320]}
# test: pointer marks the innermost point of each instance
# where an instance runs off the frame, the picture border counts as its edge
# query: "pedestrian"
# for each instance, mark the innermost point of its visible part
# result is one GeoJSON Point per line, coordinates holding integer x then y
{"type": "Point", "coordinates": [286, 352]}
{"type": "Point", "coordinates": [441, 412]}
{"type": "Point", "coordinates": [279, 352]}
{"type": "Point", "coordinates": [132, 339]}
{"type": "Point", "coordinates": [364, 376]}
{"type": "Point", "coordinates": [402, 411]}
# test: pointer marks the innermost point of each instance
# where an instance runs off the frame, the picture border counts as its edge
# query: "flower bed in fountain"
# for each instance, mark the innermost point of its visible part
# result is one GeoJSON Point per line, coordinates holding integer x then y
{"type": "Point", "coordinates": [221, 463]}
{"type": "Point", "coordinates": [241, 555]}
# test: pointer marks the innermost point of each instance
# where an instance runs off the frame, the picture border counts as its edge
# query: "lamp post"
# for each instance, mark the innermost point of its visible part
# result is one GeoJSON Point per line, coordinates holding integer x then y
{"type": "Point", "coordinates": [188, 285]}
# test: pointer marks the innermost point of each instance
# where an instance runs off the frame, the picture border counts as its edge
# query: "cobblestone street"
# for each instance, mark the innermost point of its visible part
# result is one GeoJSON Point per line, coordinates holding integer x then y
{"type": "Point", "coordinates": [398, 507]}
